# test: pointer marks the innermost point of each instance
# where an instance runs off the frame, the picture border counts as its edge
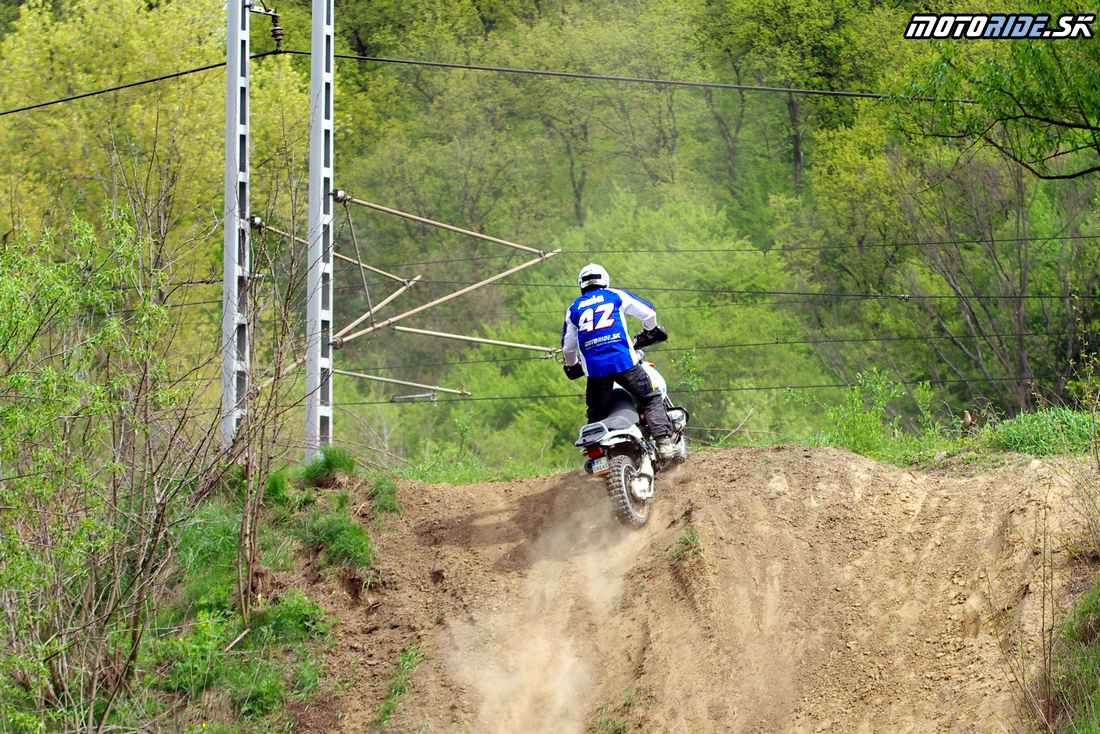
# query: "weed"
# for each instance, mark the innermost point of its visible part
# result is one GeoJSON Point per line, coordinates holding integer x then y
{"type": "Point", "coordinates": [868, 422]}
{"type": "Point", "coordinates": [691, 379]}
{"type": "Point", "coordinates": [294, 618]}
{"type": "Point", "coordinates": [607, 724]}
{"type": "Point", "coordinates": [463, 429]}
{"type": "Point", "coordinates": [198, 659]}
{"type": "Point", "coordinates": [687, 545]}
{"type": "Point", "coordinates": [1068, 692]}
{"type": "Point", "coordinates": [277, 489]}
{"type": "Point", "coordinates": [407, 664]}
{"type": "Point", "coordinates": [632, 697]}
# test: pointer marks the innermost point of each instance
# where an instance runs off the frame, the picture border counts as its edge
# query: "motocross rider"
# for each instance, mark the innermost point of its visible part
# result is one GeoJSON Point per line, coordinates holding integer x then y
{"type": "Point", "coordinates": [595, 342]}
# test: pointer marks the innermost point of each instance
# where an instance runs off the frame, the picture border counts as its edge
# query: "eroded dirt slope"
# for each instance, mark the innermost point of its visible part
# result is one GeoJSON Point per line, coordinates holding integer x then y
{"type": "Point", "coordinates": [823, 592]}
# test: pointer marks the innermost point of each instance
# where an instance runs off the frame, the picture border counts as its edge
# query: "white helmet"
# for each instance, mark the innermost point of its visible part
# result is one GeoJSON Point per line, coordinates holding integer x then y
{"type": "Point", "coordinates": [593, 276]}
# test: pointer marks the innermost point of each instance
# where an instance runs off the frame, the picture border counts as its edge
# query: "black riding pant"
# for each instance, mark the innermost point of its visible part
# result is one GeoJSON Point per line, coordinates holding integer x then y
{"type": "Point", "coordinates": [638, 383]}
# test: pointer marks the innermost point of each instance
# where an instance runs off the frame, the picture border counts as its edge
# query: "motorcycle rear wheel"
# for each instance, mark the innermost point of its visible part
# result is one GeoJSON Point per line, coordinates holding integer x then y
{"type": "Point", "coordinates": [629, 509]}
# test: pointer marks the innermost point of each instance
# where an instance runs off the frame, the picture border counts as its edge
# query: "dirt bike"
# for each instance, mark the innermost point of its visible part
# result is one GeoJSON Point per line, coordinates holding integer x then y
{"type": "Point", "coordinates": [620, 448]}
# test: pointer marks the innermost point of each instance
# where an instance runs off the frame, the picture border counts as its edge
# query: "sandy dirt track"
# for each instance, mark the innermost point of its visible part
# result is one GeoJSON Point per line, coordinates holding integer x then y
{"type": "Point", "coordinates": [824, 592]}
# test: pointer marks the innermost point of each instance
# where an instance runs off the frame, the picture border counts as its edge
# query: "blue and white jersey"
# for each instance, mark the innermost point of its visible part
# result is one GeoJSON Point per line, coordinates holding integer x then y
{"type": "Point", "coordinates": [595, 330]}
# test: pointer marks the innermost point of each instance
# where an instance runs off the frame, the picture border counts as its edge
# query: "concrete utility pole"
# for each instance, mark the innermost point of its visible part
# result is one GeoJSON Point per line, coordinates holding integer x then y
{"type": "Point", "coordinates": [235, 247]}
{"type": "Point", "coordinates": [318, 403]}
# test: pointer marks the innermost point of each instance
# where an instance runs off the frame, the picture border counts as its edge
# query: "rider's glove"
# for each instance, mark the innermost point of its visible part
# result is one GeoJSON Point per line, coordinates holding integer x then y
{"type": "Point", "coordinates": [649, 337]}
{"type": "Point", "coordinates": [573, 371]}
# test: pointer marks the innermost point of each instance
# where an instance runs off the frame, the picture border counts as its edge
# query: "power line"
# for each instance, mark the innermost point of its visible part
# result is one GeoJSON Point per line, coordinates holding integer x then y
{"type": "Point", "coordinates": [756, 388]}
{"type": "Point", "coordinates": [744, 345]}
{"type": "Point", "coordinates": [130, 85]}
{"type": "Point", "coordinates": [903, 297]}
{"type": "Point", "coordinates": [611, 78]}
{"type": "Point", "coordinates": [470, 67]}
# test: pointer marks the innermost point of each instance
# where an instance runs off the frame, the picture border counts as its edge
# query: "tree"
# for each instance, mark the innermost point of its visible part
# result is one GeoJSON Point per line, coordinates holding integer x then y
{"type": "Point", "coordinates": [104, 442]}
{"type": "Point", "coordinates": [961, 271]}
{"type": "Point", "coordinates": [1036, 101]}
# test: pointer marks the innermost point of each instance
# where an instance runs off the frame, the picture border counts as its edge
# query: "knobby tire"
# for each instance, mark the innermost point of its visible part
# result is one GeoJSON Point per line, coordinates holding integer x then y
{"type": "Point", "coordinates": [629, 510]}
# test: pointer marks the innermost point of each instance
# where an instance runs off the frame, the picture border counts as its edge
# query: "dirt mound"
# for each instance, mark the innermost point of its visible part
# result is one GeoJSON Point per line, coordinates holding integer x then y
{"type": "Point", "coordinates": [774, 590]}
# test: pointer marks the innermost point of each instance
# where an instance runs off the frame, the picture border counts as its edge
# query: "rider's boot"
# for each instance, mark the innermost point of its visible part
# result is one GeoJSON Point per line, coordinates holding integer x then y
{"type": "Point", "coordinates": [666, 448]}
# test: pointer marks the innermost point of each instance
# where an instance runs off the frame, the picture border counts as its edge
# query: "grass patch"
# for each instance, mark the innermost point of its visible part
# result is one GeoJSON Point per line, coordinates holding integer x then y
{"type": "Point", "coordinates": [868, 422]}
{"type": "Point", "coordinates": [445, 468]}
{"type": "Point", "coordinates": [253, 669]}
{"type": "Point", "coordinates": [1067, 695]}
{"type": "Point", "coordinates": [617, 721]}
{"type": "Point", "coordinates": [339, 538]}
{"type": "Point", "coordinates": [407, 664]}
{"type": "Point", "coordinates": [1055, 431]}
{"type": "Point", "coordinates": [384, 493]}
{"type": "Point", "coordinates": [332, 467]}
{"type": "Point", "coordinates": [686, 545]}
{"type": "Point", "coordinates": [294, 618]}
{"type": "Point", "coordinates": [206, 554]}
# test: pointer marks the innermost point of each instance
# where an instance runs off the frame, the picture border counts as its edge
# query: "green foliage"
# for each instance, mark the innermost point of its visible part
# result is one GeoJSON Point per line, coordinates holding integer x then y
{"type": "Point", "coordinates": [384, 492]}
{"type": "Point", "coordinates": [439, 469]}
{"type": "Point", "coordinates": [88, 392]}
{"type": "Point", "coordinates": [1069, 692]}
{"type": "Point", "coordinates": [868, 422]}
{"type": "Point", "coordinates": [861, 423]}
{"type": "Point", "coordinates": [333, 465]}
{"type": "Point", "coordinates": [254, 673]}
{"type": "Point", "coordinates": [294, 618]}
{"type": "Point", "coordinates": [255, 687]}
{"type": "Point", "coordinates": [686, 545]}
{"type": "Point", "coordinates": [1032, 100]}
{"type": "Point", "coordinates": [206, 551]}
{"type": "Point", "coordinates": [337, 537]}
{"type": "Point", "coordinates": [407, 663]}
{"type": "Point", "coordinates": [198, 657]}
{"type": "Point", "coordinates": [1055, 431]}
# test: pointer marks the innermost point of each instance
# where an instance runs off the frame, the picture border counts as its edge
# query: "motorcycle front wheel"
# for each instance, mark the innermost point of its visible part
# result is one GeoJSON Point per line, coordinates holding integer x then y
{"type": "Point", "coordinates": [621, 480]}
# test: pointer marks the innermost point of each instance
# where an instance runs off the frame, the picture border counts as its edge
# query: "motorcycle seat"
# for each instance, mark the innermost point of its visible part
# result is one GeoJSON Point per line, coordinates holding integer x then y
{"type": "Point", "coordinates": [623, 415]}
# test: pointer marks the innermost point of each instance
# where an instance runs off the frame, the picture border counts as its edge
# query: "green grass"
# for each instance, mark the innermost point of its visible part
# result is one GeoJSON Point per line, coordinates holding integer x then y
{"type": "Point", "coordinates": [384, 493]}
{"type": "Point", "coordinates": [331, 465]}
{"type": "Point", "coordinates": [1068, 694]}
{"type": "Point", "coordinates": [444, 468]}
{"type": "Point", "coordinates": [407, 663]}
{"type": "Point", "coordinates": [206, 554]}
{"type": "Point", "coordinates": [868, 422]}
{"type": "Point", "coordinates": [339, 538]}
{"type": "Point", "coordinates": [1055, 431]}
{"type": "Point", "coordinates": [607, 721]}
{"type": "Point", "coordinates": [687, 545]}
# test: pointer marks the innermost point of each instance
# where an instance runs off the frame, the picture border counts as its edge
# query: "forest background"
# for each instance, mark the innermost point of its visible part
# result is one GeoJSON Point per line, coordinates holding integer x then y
{"type": "Point", "coordinates": [816, 199]}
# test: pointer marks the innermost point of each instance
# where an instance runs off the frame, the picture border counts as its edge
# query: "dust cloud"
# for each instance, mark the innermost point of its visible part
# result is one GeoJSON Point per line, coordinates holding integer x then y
{"type": "Point", "coordinates": [526, 661]}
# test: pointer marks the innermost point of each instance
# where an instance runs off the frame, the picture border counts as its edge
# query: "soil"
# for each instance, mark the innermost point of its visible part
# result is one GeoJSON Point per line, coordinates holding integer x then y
{"type": "Point", "coordinates": [779, 589]}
